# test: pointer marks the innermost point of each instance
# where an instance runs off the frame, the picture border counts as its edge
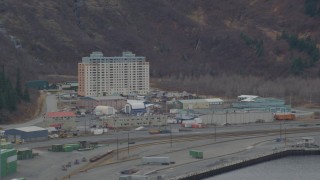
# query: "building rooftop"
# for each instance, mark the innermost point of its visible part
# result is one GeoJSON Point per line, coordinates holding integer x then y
{"type": "Point", "coordinates": [212, 100]}
{"type": "Point", "coordinates": [127, 56]}
{"type": "Point", "coordinates": [135, 104]}
{"type": "Point", "coordinates": [247, 98]}
{"type": "Point", "coordinates": [30, 129]}
{"type": "Point", "coordinates": [60, 114]}
{"type": "Point", "coordinates": [99, 98]}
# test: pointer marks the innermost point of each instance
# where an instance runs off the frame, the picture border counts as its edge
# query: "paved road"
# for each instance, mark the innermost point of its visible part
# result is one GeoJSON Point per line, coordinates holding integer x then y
{"type": "Point", "coordinates": [122, 135]}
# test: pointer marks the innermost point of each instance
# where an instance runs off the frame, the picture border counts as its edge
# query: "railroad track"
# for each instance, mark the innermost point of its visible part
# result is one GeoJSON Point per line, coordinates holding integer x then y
{"type": "Point", "coordinates": [159, 140]}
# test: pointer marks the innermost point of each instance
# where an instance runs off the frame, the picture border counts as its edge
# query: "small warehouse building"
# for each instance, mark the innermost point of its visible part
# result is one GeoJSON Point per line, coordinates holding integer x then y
{"type": "Point", "coordinates": [60, 120]}
{"type": "Point", "coordinates": [26, 134]}
{"type": "Point", "coordinates": [135, 107]}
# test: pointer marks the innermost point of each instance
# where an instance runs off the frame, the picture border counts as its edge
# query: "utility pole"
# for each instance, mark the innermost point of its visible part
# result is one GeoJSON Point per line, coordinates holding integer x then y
{"type": "Point", "coordinates": [280, 129]}
{"type": "Point", "coordinates": [215, 132]}
{"type": "Point", "coordinates": [170, 137]}
{"type": "Point", "coordinates": [128, 144]}
{"type": "Point", "coordinates": [117, 148]}
{"type": "Point", "coordinates": [310, 99]}
{"type": "Point", "coordinates": [285, 137]}
{"type": "Point", "coordinates": [212, 115]}
{"type": "Point", "coordinates": [85, 125]}
{"type": "Point", "coordinates": [290, 100]}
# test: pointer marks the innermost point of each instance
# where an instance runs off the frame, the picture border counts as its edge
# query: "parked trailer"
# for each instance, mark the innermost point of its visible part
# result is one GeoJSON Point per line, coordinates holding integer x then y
{"type": "Point", "coordinates": [156, 160]}
{"type": "Point", "coordinates": [284, 117]}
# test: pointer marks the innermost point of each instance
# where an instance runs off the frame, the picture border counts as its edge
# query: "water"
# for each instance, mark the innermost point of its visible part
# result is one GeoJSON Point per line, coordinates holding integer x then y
{"type": "Point", "coordinates": [288, 168]}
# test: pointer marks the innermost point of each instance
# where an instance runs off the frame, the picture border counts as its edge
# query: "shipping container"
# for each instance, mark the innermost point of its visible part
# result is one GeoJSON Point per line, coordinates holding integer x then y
{"type": "Point", "coordinates": [6, 145]}
{"type": "Point", "coordinates": [57, 148]}
{"type": "Point", "coordinates": [67, 148]}
{"type": "Point", "coordinates": [196, 154]}
{"type": "Point", "coordinates": [8, 161]}
{"type": "Point", "coordinates": [74, 146]}
{"type": "Point", "coordinates": [11, 167]}
{"type": "Point", "coordinates": [24, 153]}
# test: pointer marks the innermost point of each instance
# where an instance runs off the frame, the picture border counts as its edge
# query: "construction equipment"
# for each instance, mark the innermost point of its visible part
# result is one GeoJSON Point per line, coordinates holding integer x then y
{"type": "Point", "coordinates": [63, 168]}
{"type": "Point", "coordinates": [63, 134]}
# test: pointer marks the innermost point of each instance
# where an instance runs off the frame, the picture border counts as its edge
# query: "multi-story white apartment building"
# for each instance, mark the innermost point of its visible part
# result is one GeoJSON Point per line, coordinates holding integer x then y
{"type": "Point", "coordinates": [102, 76]}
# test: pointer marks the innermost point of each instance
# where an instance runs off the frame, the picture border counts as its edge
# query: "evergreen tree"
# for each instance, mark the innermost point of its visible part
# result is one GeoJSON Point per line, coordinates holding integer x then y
{"type": "Point", "coordinates": [297, 66]}
{"type": "Point", "coordinates": [26, 95]}
{"type": "Point", "coordinates": [18, 87]}
{"type": "Point", "coordinates": [311, 7]}
{"type": "Point", "coordinates": [1, 100]}
{"type": "Point", "coordinates": [2, 79]}
{"type": "Point", "coordinates": [10, 97]}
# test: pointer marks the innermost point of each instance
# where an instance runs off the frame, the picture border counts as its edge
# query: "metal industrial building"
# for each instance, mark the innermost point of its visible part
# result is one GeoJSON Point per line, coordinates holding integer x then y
{"type": "Point", "coordinates": [261, 104]}
{"type": "Point", "coordinates": [197, 103]}
{"type": "Point", "coordinates": [26, 134]}
{"type": "Point", "coordinates": [135, 121]}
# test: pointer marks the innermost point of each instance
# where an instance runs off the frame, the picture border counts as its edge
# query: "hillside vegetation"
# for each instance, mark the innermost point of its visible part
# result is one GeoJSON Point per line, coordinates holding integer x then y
{"type": "Point", "coordinates": [182, 39]}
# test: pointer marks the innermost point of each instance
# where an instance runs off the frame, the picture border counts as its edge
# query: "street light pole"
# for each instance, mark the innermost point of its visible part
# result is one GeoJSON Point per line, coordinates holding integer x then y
{"type": "Point", "coordinates": [226, 117]}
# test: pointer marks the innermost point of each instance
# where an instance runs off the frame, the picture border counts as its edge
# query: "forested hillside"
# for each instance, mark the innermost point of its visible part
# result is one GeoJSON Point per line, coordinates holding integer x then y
{"type": "Point", "coordinates": [184, 40]}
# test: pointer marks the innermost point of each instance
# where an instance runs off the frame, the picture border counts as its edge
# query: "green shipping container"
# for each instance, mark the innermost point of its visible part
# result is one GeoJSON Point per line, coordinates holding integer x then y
{"type": "Point", "coordinates": [8, 161]}
{"type": "Point", "coordinates": [74, 146]}
{"type": "Point", "coordinates": [67, 148]}
{"type": "Point", "coordinates": [57, 148]}
{"type": "Point", "coordinates": [24, 153]}
{"type": "Point", "coordinates": [11, 167]}
{"type": "Point", "coordinates": [6, 145]}
{"type": "Point", "coordinates": [196, 154]}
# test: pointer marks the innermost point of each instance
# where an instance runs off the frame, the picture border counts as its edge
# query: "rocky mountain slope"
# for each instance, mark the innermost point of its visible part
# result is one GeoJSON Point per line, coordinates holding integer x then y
{"type": "Point", "coordinates": [178, 37]}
